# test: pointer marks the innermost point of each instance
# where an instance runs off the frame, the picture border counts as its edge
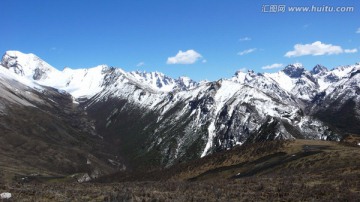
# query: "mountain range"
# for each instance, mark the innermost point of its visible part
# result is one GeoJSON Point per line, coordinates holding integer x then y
{"type": "Point", "coordinates": [97, 120]}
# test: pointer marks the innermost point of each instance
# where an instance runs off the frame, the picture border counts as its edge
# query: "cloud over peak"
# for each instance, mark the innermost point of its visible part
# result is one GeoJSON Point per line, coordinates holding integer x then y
{"type": "Point", "coordinates": [244, 52]}
{"type": "Point", "coordinates": [317, 48]}
{"type": "Point", "coordinates": [273, 66]}
{"type": "Point", "coordinates": [140, 64]}
{"type": "Point", "coordinates": [187, 57]}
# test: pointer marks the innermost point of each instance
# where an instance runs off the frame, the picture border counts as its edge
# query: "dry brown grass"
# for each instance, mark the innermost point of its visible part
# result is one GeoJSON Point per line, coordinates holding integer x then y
{"type": "Point", "coordinates": [265, 188]}
{"type": "Point", "coordinates": [328, 172]}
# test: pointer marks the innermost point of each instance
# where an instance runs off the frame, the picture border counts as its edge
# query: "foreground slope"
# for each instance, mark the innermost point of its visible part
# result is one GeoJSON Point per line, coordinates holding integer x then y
{"type": "Point", "coordinates": [299, 170]}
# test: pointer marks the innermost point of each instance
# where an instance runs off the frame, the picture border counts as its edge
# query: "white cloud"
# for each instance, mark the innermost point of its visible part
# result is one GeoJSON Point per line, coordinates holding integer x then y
{"type": "Point", "coordinates": [315, 49]}
{"type": "Point", "coordinates": [187, 57]}
{"type": "Point", "coordinates": [140, 64]}
{"type": "Point", "coordinates": [243, 69]}
{"type": "Point", "coordinates": [355, 50]}
{"type": "Point", "coordinates": [247, 51]}
{"type": "Point", "coordinates": [245, 39]}
{"type": "Point", "coordinates": [273, 66]}
{"type": "Point", "coordinates": [358, 31]}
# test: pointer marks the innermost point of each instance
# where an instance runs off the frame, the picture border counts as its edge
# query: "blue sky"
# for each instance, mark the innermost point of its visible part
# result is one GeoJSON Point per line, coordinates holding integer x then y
{"type": "Point", "coordinates": [216, 37]}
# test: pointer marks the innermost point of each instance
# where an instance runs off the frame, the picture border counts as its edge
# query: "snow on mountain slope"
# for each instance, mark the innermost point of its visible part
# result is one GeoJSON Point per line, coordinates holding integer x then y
{"type": "Point", "coordinates": [154, 79]}
{"type": "Point", "coordinates": [18, 89]}
{"type": "Point", "coordinates": [228, 96]}
{"type": "Point", "coordinates": [186, 83]}
{"type": "Point", "coordinates": [11, 75]}
{"type": "Point", "coordinates": [296, 80]}
{"type": "Point", "coordinates": [265, 84]}
{"type": "Point", "coordinates": [285, 82]}
{"type": "Point", "coordinates": [78, 82]}
{"type": "Point", "coordinates": [339, 104]}
{"type": "Point", "coordinates": [343, 71]}
{"type": "Point", "coordinates": [349, 82]}
{"type": "Point", "coordinates": [11, 92]}
{"type": "Point", "coordinates": [160, 82]}
{"type": "Point", "coordinates": [306, 85]}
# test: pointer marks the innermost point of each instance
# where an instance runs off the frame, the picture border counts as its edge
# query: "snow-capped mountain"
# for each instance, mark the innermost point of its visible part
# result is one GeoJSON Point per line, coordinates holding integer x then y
{"type": "Point", "coordinates": [339, 104]}
{"type": "Point", "coordinates": [152, 119]}
{"type": "Point", "coordinates": [88, 81]}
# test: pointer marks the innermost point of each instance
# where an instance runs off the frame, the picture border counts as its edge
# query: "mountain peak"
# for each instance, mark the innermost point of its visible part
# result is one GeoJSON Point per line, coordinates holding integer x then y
{"type": "Point", "coordinates": [14, 53]}
{"type": "Point", "coordinates": [155, 80]}
{"type": "Point", "coordinates": [186, 83]}
{"type": "Point", "coordinates": [28, 65]}
{"type": "Point", "coordinates": [294, 70]}
{"type": "Point", "coordinates": [319, 69]}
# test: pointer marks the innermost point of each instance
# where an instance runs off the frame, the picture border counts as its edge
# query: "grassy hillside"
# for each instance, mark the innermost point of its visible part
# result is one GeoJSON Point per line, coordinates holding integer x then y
{"type": "Point", "coordinates": [301, 170]}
